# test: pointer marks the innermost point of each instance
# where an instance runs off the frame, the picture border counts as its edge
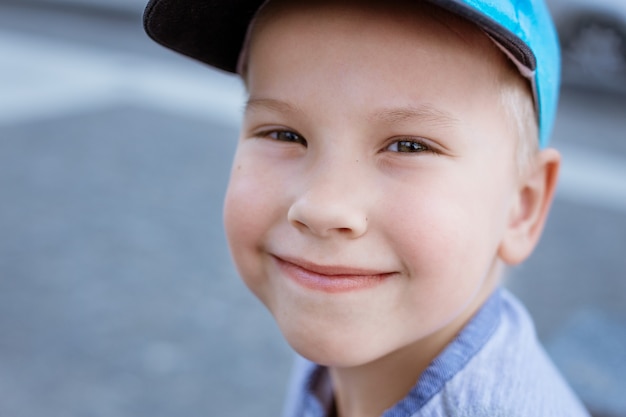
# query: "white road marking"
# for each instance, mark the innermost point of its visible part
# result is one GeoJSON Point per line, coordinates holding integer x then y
{"type": "Point", "coordinates": [40, 78]}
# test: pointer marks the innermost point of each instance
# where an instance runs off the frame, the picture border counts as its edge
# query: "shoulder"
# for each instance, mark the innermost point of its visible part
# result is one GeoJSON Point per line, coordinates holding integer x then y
{"type": "Point", "coordinates": [510, 376]}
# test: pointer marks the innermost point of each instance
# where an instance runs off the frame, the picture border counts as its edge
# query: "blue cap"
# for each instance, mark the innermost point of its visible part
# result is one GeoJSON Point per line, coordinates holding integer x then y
{"type": "Point", "coordinates": [214, 32]}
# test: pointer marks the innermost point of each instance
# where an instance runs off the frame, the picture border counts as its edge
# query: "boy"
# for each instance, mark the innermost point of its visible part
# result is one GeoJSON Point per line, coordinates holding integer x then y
{"type": "Point", "coordinates": [388, 169]}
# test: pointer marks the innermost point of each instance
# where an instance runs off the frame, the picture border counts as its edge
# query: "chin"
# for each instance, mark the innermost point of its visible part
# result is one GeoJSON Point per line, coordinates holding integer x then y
{"type": "Point", "coordinates": [332, 358]}
{"type": "Point", "coordinates": [331, 351]}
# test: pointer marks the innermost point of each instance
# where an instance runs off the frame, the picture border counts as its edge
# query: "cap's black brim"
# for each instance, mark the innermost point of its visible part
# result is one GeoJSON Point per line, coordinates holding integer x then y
{"type": "Point", "coordinates": [205, 30]}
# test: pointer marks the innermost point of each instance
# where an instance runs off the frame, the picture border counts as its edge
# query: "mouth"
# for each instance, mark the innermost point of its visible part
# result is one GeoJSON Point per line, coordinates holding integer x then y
{"type": "Point", "coordinates": [330, 278]}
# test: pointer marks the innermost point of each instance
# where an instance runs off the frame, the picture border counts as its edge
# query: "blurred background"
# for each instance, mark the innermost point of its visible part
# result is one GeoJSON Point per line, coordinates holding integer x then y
{"type": "Point", "coordinates": [117, 294]}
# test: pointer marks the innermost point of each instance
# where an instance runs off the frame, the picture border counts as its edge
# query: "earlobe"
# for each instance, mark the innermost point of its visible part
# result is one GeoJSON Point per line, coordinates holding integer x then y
{"type": "Point", "coordinates": [530, 211]}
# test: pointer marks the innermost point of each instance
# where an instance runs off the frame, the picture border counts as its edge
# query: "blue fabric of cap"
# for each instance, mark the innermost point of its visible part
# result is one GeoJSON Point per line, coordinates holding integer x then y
{"type": "Point", "coordinates": [214, 32]}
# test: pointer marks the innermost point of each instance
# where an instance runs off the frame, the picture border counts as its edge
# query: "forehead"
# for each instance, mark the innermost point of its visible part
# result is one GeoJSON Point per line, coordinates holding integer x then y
{"type": "Point", "coordinates": [401, 18]}
{"type": "Point", "coordinates": [385, 36]}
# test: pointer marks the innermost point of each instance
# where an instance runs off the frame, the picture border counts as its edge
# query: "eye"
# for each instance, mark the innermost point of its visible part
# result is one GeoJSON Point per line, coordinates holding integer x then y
{"type": "Point", "coordinates": [408, 146]}
{"type": "Point", "coordinates": [283, 136]}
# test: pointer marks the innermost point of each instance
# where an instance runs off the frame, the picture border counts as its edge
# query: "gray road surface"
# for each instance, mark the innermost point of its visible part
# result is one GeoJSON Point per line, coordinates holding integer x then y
{"type": "Point", "coordinates": [117, 295]}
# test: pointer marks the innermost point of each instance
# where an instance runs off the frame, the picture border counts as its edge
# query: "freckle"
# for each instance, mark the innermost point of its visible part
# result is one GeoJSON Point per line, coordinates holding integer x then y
{"type": "Point", "coordinates": [238, 167]}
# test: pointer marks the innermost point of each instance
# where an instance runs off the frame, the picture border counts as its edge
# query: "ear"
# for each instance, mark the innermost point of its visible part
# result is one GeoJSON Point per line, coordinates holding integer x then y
{"type": "Point", "coordinates": [530, 209]}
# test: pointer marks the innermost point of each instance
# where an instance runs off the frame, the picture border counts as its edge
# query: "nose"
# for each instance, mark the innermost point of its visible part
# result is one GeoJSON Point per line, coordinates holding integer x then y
{"type": "Point", "coordinates": [330, 206]}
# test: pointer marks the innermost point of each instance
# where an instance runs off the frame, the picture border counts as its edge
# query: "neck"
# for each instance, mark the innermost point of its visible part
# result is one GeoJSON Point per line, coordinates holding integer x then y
{"type": "Point", "coordinates": [368, 390]}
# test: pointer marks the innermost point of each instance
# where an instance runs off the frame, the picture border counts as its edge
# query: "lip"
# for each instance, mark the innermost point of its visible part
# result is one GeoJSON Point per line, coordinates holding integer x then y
{"type": "Point", "coordinates": [330, 278]}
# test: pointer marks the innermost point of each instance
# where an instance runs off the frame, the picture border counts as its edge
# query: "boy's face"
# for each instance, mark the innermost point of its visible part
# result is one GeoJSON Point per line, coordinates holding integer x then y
{"type": "Point", "coordinates": [373, 180]}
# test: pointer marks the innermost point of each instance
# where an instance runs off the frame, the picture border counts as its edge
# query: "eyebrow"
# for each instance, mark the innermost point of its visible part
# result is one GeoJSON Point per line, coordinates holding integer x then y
{"type": "Point", "coordinates": [271, 104]}
{"type": "Point", "coordinates": [391, 115]}
{"type": "Point", "coordinates": [424, 112]}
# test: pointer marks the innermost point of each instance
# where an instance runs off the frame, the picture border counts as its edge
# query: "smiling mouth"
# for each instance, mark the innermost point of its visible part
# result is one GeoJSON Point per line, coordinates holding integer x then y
{"type": "Point", "coordinates": [330, 278]}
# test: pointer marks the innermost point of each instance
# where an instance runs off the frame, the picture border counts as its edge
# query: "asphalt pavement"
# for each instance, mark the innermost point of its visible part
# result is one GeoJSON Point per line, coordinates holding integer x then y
{"type": "Point", "coordinates": [117, 294]}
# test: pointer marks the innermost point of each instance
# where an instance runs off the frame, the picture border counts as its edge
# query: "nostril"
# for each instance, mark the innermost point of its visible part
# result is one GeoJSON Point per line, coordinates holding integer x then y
{"type": "Point", "coordinates": [298, 224]}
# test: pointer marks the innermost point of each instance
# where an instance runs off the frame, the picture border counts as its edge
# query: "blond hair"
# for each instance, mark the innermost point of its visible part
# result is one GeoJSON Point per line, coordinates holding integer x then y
{"type": "Point", "coordinates": [517, 100]}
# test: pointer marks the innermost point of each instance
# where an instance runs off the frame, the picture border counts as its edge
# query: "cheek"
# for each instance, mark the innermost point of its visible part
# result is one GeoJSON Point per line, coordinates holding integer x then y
{"type": "Point", "coordinates": [240, 200]}
{"type": "Point", "coordinates": [427, 224]}
{"type": "Point", "coordinates": [250, 198]}
{"type": "Point", "coordinates": [255, 212]}
{"type": "Point", "coordinates": [248, 215]}
{"type": "Point", "coordinates": [445, 236]}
